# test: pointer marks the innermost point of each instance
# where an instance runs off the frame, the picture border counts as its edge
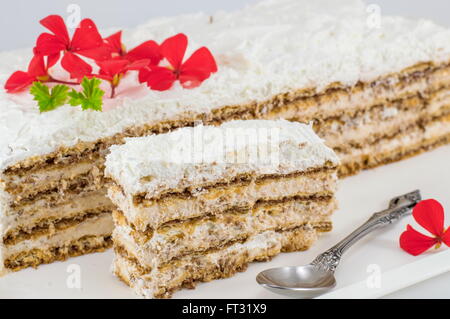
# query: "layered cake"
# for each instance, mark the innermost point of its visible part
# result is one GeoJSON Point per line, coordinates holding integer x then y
{"type": "Point", "coordinates": [375, 89]}
{"type": "Point", "coordinates": [229, 195]}
{"type": "Point", "coordinates": [53, 212]}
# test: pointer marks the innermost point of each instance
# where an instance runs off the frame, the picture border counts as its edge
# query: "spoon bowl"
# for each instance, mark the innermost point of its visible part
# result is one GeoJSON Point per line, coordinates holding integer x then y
{"type": "Point", "coordinates": [301, 282]}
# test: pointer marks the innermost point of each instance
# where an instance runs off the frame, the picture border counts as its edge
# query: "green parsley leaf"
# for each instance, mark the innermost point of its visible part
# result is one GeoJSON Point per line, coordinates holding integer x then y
{"type": "Point", "coordinates": [90, 98]}
{"type": "Point", "coordinates": [47, 99]}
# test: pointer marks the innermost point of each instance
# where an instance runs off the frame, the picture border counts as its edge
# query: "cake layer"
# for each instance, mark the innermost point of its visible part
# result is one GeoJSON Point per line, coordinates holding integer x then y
{"type": "Point", "coordinates": [92, 234]}
{"type": "Point", "coordinates": [194, 158]}
{"type": "Point", "coordinates": [77, 247]}
{"type": "Point", "coordinates": [223, 263]}
{"type": "Point", "coordinates": [420, 80]}
{"type": "Point", "coordinates": [154, 248]}
{"type": "Point", "coordinates": [369, 126]}
{"type": "Point", "coordinates": [410, 142]}
{"type": "Point", "coordinates": [54, 177]}
{"type": "Point", "coordinates": [62, 206]}
{"type": "Point", "coordinates": [60, 189]}
{"type": "Point", "coordinates": [413, 141]}
{"type": "Point", "coordinates": [50, 225]}
{"type": "Point", "coordinates": [57, 195]}
{"type": "Point", "coordinates": [148, 213]}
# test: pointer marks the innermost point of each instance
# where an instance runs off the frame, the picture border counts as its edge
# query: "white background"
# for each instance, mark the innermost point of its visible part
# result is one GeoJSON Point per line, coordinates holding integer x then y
{"type": "Point", "coordinates": [19, 18]}
{"type": "Point", "coordinates": [19, 28]}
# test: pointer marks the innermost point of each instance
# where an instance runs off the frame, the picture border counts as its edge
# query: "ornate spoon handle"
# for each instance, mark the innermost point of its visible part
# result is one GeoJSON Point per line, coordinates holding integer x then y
{"type": "Point", "coordinates": [398, 207]}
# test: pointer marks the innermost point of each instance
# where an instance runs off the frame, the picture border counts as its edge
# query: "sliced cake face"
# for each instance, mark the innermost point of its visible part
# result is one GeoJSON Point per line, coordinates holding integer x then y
{"type": "Point", "coordinates": [54, 212]}
{"type": "Point", "coordinates": [180, 221]}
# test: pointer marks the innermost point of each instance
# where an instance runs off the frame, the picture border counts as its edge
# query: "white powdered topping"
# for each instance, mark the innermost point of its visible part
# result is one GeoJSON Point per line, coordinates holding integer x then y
{"type": "Point", "coordinates": [191, 157]}
{"type": "Point", "coordinates": [273, 47]}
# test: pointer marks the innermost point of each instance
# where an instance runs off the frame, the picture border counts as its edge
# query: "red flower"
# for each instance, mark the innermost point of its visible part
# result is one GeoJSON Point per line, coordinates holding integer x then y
{"type": "Point", "coordinates": [112, 57]}
{"type": "Point", "coordinates": [430, 215]}
{"type": "Point", "coordinates": [190, 73]}
{"type": "Point", "coordinates": [86, 41]}
{"type": "Point", "coordinates": [148, 50]}
{"type": "Point", "coordinates": [113, 70]}
{"type": "Point", "coordinates": [37, 71]}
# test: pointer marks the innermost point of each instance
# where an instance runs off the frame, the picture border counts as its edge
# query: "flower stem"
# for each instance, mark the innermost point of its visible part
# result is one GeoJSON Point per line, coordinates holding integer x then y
{"type": "Point", "coordinates": [113, 91]}
{"type": "Point", "coordinates": [63, 82]}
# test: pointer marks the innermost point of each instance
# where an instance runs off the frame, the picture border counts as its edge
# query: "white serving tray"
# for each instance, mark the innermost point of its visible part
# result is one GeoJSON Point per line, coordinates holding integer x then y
{"type": "Point", "coordinates": [373, 268]}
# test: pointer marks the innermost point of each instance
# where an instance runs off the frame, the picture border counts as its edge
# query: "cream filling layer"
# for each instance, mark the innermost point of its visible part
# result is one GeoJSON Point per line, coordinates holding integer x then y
{"type": "Point", "coordinates": [27, 217]}
{"type": "Point", "coordinates": [201, 235]}
{"type": "Point", "coordinates": [324, 106]}
{"type": "Point", "coordinates": [101, 225]}
{"type": "Point", "coordinates": [162, 280]}
{"type": "Point", "coordinates": [53, 177]}
{"type": "Point", "coordinates": [417, 136]}
{"type": "Point", "coordinates": [218, 200]}
{"type": "Point", "coordinates": [369, 127]}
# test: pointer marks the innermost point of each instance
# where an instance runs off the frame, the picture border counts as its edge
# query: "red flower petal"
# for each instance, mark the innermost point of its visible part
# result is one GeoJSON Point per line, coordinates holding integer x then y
{"type": "Point", "coordinates": [200, 59]}
{"type": "Point", "coordinates": [75, 66]}
{"type": "Point", "coordinates": [88, 42]}
{"type": "Point", "coordinates": [98, 54]}
{"type": "Point", "coordinates": [49, 44]}
{"type": "Point", "coordinates": [52, 60]}
{"type": "Point", "coordinates": [112, 67]}
{"type": "Point", "coordinates": [430, 215]}
{"type": "Point", "coordinates": [174, 48]}
{"type": "Point", "coordinates": [197, 68]}
{"type": "Point", "coordinates": [416, 243]}
{"type": "Point", "coordinates": [446, 237]}
{"type": "Point", "coordinates": [193, 79]}
{"type": "Point", "coordinates": [115, 43]}
{"type": "Point", "coordinates": [160, 78]}
{"type": "Point", "coordinates": [37, 67]}
{"type": "Point", "coordinates": [144, 73]}
{"type": "Point", "coordinates": [137, 65]}
{"type": "Point", "coordinates": [57, 25]}
{"type": "Point", "coordinates": [148, 50]}
{"type": "Point", "coordinates": [18, 81]}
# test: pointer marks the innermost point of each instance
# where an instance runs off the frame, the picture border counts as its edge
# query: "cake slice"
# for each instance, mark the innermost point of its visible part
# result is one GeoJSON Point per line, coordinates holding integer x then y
{"type": "Point", "coordinates": [200, 203]}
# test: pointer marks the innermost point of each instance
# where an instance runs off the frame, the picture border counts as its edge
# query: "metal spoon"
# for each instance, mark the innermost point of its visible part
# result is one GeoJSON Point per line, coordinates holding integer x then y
{"type": "Point", "coordinates": [318, 278]}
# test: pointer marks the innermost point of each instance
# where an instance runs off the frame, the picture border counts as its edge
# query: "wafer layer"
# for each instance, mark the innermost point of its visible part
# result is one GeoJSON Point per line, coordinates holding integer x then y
{"type": "Point", "coordinates": [242, 193]}
{"type": "Point", "coordinates": [90, 234]}
{"type": "Point", "coordinates": [176, 239]}
{"type": "Point", "coordinates": [412, 141]}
